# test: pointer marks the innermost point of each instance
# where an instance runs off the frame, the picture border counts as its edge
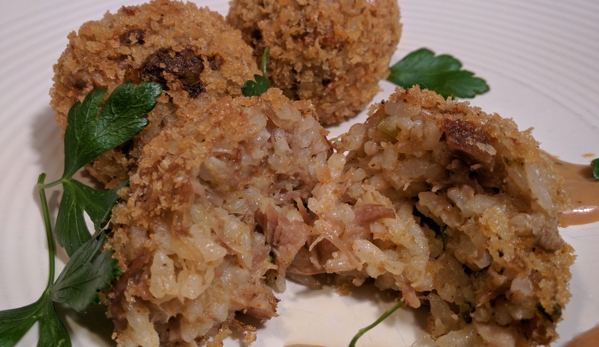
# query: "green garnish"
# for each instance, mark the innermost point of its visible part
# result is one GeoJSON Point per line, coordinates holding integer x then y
{"type": "Point", "coordinates": [87, 136]}
{"type": "Point", "coordinates": [595, 165]}
{"type": "Point", "coordinates": [380, 319]}
{"type": "Point", "coordinates": [261, 85]}
{"type": "Point", "coordinates": [89, 269]}
{"type": "Point", "coordinates": [71, 230]}
{"type": "Point", "coordinates": [442, 74]}
{"type": "Point", "coordinates": [444, 236]}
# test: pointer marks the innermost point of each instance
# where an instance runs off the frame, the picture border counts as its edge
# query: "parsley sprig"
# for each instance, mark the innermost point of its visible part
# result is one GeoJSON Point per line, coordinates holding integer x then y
{"type": "Point", "coordinates": [261, 85]}
{"type": "Point", "coordinates": [442, 74]}
{"type": "Point", "coordinates": [89, 269]}
{"type": "Point", "coordinates": [376, 322]}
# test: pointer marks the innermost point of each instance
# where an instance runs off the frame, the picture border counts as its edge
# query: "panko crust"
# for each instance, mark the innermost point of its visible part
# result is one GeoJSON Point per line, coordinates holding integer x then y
{"type": "Point", "coordinates": [455, 208]}
{"type": "Point", "coordinates": [332, 53]}
{"type": "Point", "coordinates": [192, 51]}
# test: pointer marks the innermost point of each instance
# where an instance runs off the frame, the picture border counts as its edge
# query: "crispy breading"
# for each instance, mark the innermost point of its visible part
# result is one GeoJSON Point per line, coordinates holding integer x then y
{"type": "Point", "coordinates": [332, 53]}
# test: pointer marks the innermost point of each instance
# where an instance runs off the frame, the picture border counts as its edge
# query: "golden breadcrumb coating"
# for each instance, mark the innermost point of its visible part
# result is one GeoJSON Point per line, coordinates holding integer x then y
{"type": "Point", "coordinates": [190, 50]}
{"type": "Point", "coordinates": [332, 53]}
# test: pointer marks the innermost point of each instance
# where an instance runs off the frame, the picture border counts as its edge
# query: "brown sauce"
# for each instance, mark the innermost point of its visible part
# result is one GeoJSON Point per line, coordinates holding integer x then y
{"type": "Point", "coordinates": [589, 338]}
{"type": "Point", "coordinates": [583, 190]}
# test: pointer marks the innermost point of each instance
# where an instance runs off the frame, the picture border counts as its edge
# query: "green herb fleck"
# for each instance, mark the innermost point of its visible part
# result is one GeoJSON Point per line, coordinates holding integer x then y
{"type": "Point", "coordinates": [89, 270]}
{"type": "Point", "coordinates": [555, 314]}
{"type": "Point", "coordinates": [595, 165]}
{"type": "Point", "coordinates": [442, 74]}
{"type": "Point", "coordinates": [514, 161]}
{"type": "Point", "coordinates": [380, 319]}
{"type": "Point", "coordinates": [261, 85]}
{"type": "Point", "coordinates": [388, 129]}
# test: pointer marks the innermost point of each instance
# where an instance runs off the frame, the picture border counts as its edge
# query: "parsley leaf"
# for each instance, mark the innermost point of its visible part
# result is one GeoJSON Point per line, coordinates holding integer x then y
{"type": "Point", "coordinates": [441, 74]}
{"type": "Point", "coordinates": [261, 85]}
{"type": "Point", "coordinates": [595, 165]}
{"type": "Point", "coordinates": [444, 236]}
{"type": "Point", "coordinates": [16, 322]}
{"type": "Point", "coordinates": [88, 134]}
{"type": "Point", "coordinates": [88, 271]}
{"type": "Point", "coordinates": [71, 230]}
{"type": "Point", "coordinates": [52, 330]}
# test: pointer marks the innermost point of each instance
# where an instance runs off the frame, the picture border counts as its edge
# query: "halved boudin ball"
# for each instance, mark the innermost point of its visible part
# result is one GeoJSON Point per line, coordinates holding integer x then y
{"type": "Point", "coordinates": [187, 233]}
{"type": "Point", "coordinates": [453, 207]}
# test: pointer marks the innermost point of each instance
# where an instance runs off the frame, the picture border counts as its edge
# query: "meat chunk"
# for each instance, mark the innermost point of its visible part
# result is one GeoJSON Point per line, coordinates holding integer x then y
{"type": "Point", "coordinates": [132, 36]}
{"type": "Point", "coordinates": [184, 65]}
{"type": "Point", "coordinates": [468, 138]}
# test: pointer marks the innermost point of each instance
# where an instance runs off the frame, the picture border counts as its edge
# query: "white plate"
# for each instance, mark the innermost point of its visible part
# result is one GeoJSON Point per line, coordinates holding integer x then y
{"type": "Point", "coordinates": [540, 58]}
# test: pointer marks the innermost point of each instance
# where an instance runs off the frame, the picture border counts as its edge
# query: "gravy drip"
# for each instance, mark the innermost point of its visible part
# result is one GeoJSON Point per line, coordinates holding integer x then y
{"type": "Point", "coordinates": [583, 190]}
{"type": "Point", "coordinates": [589, 338]}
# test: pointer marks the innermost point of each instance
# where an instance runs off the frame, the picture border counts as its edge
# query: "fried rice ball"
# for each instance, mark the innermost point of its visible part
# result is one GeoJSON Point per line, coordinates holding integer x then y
{"type": "Point", "coordinates": [453, 207]}
{"type": "Point", "coordinates": [332, 53]}
{"type": "Point", "coordinates": [187, 232]}
{"type": "Point", "coordinates": [192, 51]}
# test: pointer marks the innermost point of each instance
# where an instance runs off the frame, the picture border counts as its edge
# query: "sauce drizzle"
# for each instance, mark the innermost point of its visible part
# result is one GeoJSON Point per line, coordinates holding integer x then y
{"type": "Point", "coordinates": [583, 190]}
{"type": "Point", "coordinates": [589, 338]}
